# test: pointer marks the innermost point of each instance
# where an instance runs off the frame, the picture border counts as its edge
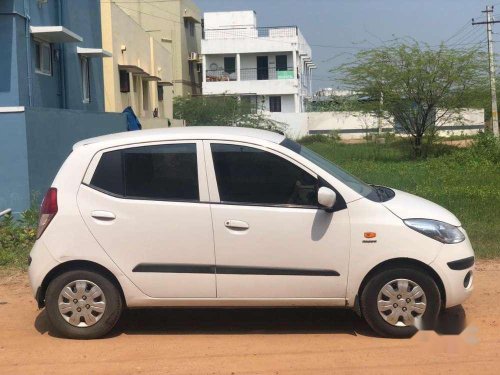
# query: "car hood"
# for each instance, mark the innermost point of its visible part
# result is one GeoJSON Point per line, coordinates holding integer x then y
{"type": "Point", "coordinates": [409, 206]}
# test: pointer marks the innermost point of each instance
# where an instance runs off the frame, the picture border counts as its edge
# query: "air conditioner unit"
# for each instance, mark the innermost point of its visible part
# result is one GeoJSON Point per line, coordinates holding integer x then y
{"type": "Point", "coordinates": [193, 56]}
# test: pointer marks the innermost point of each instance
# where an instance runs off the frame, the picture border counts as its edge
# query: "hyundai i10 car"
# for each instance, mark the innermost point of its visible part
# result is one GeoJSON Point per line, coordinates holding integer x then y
{"type": "Point", "coordinates": [237, 217]}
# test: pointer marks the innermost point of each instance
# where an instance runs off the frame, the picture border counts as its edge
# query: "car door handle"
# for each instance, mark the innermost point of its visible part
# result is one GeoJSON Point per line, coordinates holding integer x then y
{"type": "Point", "coordinates": [236, 224]}
{"type": "Point", "coordinates": [103, 215]}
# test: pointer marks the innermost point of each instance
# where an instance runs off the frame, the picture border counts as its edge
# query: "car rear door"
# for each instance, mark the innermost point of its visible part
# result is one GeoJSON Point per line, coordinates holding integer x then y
{"type": "Point", "coordinates": [146, 206]}
{"type": "Point", "coordinates": [271, 238]}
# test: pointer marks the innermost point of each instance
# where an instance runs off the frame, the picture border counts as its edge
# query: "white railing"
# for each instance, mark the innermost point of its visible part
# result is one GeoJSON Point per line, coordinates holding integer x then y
{"type": "Point", "coordinates": [253, 32]}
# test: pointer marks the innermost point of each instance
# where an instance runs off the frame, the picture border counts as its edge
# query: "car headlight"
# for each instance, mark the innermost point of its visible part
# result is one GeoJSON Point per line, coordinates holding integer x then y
{"type": "Point", "coordinates": [442, 232]}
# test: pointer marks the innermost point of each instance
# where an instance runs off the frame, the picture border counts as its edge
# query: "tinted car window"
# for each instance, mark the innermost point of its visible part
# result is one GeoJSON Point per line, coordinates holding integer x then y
{"type": "Point", "coordinates": [164, 172]}
{"type": "Point", "coordinates": [249, 175]}
{"type": "Point", "coordinates": [108, 175]}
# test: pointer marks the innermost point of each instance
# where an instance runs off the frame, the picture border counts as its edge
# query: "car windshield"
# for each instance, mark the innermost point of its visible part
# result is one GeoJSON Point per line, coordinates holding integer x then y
{"type": "Point", "coordinates": [353, 182]}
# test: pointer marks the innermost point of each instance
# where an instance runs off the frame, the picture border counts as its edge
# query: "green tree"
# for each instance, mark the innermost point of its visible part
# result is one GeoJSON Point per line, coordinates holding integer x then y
{"type": "Point", "coordinates": [224, 110]}
{"type": "Point", "coordinates": [422, 88]}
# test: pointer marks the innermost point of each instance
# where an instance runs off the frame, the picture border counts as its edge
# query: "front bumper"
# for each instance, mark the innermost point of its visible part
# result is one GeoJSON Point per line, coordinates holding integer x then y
{"type": "Point", "coordinates": [455, 267]}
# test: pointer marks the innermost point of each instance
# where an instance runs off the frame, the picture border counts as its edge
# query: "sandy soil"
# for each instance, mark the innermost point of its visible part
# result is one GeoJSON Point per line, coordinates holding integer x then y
{"type": "Point", "coordinates": [271, 341]}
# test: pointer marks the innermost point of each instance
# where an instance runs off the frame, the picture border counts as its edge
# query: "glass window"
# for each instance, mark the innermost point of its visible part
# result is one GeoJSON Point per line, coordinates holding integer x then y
{"type": "Point", "coordinates": [43, 58]}
{"type": "Point", "coordinates": [163, 172]}
{"type": "Point", "coordinates": [38, 53]}
{"type": "Point", "coordinates": [281, 62]}
{"type": "Point", "coordinates": [275, 103]}
{"type": "Point", "coordinates": [124, 81]}
{"type": "Point", "coordinates": [353, 182]}
{"type": "Point", "coordinates": [108, 175]}
{"type": "Point", "coordinates": [249, 175]}
{"type": "Point", "coordinates": [85, 79]}
{"type": "Point", "coordinates": [145, 95]}
{"type": "Point", "coordinates": [191, 28]}
{"type": "Point", "coordinates": [230, 64]}
{"type": "Point", "coordinates": [159, 89]}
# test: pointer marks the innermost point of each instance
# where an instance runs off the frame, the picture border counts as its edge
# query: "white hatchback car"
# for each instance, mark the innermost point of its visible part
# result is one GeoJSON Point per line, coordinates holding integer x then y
{"type": "Point", "coordinates": [226, 217]}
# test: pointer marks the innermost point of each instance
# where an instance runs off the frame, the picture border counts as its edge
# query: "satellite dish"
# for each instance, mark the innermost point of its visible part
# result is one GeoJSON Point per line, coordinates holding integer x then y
{"type": "Point", "coordinates": [214, 66]}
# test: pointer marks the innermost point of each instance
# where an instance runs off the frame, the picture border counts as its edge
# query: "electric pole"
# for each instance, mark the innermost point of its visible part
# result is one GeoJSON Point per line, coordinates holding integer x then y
{"type": "Point", "coordinates": [491, 58]}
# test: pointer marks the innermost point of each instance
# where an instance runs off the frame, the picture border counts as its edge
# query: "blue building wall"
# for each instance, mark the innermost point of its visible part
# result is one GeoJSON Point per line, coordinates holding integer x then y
{"type": "Point", "coordinates": [51, 134]}
{"type": "Point", "coordinates": [10, 28]}
{"type": "Point", "coordinates": [14, 179]}
{"type": "Point", "coordinates": [39, 140]}
{"type": "Point", "coordinates": [63, 89]}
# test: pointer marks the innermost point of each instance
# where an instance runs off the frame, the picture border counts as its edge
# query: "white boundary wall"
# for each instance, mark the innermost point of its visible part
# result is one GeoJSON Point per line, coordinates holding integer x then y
{"type": "Point", "coordinates": [352, 125]}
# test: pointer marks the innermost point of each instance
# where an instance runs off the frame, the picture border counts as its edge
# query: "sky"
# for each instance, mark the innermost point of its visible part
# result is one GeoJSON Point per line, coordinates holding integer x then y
{"type": "Point", "coordinates": [336, 29]}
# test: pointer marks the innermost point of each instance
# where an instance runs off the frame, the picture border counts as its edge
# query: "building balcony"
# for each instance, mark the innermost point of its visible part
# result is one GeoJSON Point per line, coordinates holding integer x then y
{"type": "Point", "coordinates": [250, 74]}
{"type": "Point", "coordinates": [254, 87]}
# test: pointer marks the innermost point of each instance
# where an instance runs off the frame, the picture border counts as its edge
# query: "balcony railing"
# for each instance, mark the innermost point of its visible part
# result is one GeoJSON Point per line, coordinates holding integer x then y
{"type": "Point", "coordinates": [219, 75]}
{"type": "Point", "coordinates": [254, 32]}
{"type": "Point", "coordinates": [251, 74]}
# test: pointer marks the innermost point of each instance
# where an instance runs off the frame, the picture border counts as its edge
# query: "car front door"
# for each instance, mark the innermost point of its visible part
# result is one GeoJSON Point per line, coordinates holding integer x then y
{"type": "Point", "coordinates": [146, 206]}
{"type": "Point", "coordinates": [271, 238]}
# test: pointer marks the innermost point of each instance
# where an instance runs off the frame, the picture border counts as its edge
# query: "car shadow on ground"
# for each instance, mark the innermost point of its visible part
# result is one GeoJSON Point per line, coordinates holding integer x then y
{"type": "Point", "coordinates": [266, 321]}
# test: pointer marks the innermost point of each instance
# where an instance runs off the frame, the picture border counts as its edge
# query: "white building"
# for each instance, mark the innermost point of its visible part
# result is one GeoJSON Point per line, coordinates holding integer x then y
{"type": "Point", "coordinates": [271, 65]}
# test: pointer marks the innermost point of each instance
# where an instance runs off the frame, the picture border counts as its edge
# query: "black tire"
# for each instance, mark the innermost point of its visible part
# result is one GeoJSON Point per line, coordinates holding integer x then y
{"type": "Point", "coordinates": [369, 297]}
{"type": "Point", "coordinates": [112, 311]}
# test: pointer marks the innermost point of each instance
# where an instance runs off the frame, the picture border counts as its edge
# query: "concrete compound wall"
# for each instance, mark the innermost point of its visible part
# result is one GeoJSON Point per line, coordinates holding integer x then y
{"type": "Point", "coordinates": [39, 140]}
{"type": "Point", "coordinates": [155, 123]}
{"type": "Point", "coordinates": [14, 178]}
{"type": "Point", "coordinates": [352, 125]}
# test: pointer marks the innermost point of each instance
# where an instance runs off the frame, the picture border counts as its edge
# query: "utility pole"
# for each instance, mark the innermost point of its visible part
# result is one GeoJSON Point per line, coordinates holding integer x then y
{"type": "Point", "coordinates": [491, 57]}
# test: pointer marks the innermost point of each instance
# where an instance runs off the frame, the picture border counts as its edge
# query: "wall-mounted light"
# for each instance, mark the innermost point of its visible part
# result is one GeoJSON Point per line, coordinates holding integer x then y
{"type": "Point", "coordinates": [123, 48]}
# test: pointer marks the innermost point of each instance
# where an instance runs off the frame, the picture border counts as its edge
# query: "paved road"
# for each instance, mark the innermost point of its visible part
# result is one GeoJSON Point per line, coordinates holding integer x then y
{"type": "Point", "coordinates": [271, 341]}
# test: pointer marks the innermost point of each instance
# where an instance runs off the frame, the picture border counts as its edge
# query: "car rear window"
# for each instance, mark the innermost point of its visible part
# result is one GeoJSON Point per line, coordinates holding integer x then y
{"type": "Point", "coordinates": [162, 172]}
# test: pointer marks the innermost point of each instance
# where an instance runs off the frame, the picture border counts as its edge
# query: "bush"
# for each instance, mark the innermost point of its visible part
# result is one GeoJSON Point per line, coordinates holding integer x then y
{"type": "Point", "coordinates": [319, 138]}
{"type": "Point", "coordinates": [486, 147]}
{"type": "Point", "coordinates": [17, 238]}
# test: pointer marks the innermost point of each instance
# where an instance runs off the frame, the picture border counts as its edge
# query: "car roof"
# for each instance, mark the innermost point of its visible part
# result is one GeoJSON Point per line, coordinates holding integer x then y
{"type": "Point", "coordinates": [192, 132]}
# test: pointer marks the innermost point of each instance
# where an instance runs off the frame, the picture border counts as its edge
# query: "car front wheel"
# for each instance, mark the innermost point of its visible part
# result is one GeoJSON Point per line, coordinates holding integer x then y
{"type": "Point", "coordinates": [398, 302]}
{"type": "Point", "coordinates": [82, 305]}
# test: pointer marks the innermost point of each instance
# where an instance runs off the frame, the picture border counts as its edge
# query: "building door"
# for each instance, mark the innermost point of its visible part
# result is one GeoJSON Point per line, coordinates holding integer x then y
{"type": "Point", "coordinates": [262, 68]}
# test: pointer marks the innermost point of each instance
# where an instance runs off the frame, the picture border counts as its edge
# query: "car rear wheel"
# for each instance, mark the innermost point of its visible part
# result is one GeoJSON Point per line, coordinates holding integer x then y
{"type": "Point", "coordinates": [82, 305]}
{"type": "Point", "coordinates": [398, 302]}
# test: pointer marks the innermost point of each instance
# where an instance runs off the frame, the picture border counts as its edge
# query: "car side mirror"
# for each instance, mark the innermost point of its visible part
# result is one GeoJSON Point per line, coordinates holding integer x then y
{"type": "Point", "coordinates": [326, 197]}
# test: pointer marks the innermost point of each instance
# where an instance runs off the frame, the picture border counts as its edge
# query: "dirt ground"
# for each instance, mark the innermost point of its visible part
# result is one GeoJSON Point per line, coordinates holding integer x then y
{"type": "Point", "coordinates": [270, 341]}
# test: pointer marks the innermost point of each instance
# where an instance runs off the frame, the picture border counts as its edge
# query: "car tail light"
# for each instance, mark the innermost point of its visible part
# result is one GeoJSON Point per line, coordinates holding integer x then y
{"type": "Point", "coordinates": [47, 211]}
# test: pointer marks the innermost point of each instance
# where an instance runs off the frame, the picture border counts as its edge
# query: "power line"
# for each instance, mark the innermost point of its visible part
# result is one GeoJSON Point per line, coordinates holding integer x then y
{"type": "Point", "coordinates": [464, 27]}
{"type": "Point", "coordinates": [149, 14]}
{"type": "Point", "coordinates": [471, 32]}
